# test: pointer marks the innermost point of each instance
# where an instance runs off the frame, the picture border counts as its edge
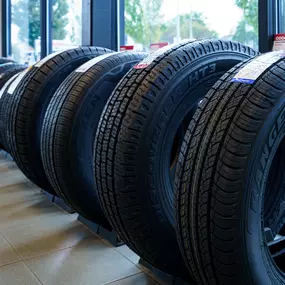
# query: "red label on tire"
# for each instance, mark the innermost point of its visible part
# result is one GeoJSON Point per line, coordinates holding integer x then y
{"type": "Point", "coordinates": [125, 48]}
{"type": "Point", "coordinates": [279, 42]}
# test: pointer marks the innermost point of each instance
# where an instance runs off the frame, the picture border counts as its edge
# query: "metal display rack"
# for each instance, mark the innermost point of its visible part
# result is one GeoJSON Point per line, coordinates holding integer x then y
{"type": "Point", "coordinates": [111, 236]}
{"type": "Point", "coordinates": [162, 276]}
{"type": "Point", "coordinates": [59, 202]}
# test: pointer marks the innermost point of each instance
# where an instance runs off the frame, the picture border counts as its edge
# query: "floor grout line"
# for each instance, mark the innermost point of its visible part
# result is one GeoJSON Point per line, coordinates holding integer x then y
{"type": "Point", "coordinates": [28, 224]}
{"type": "Point", "coordinates": [12, 248]}
{"type": "Point", "coordinates": [40, 255]}
{"type": "Point", "coordinates": [94, 236]}
{"type": "Point", "coordinates": [136, 264]}
{"type": "Point", "coordinates": [10, 263]}
{"type": "Point", "coordinates": [50, 252]}
{"type": "Point", "coordinates": [33, 272]}
{"type": "Point", "coordinates": [141, 267]}
{"type": "Point", "coordinates": [22, 260]}
{"type": "Point", "coordinates": [124, 278]}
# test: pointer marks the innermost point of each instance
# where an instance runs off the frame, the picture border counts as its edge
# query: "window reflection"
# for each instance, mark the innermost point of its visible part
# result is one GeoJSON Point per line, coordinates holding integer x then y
{"type": "Point", "coordinates": [154, 21]}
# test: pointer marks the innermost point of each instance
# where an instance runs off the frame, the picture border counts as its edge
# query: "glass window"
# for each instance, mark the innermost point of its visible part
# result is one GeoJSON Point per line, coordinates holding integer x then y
{"type": "Point", "coordinates": [157, 21]}
{"type": "Point", "coordinates": [281, 20]}
{"type": "Point", "coordinates": [66, 24]}
{"type": "Point", "coordinates": [25, 30]}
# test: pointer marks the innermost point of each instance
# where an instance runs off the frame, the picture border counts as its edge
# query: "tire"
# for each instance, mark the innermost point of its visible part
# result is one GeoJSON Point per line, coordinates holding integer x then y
{"type": "Point", "coordinates": [274, 207]}
{"type": "Point", "coordinates": [70, 126]}
{"type": "Point", "coordinates": [5, 99]}
{"type": "Point", "coordinates": [4, 60]}
{"type": "Point", "coordinates": [30, 100]}
{"type": "Point", "coordinates": [8, 70]}
{"type": "Point", "coordinates": [134, 142]}
{"type": "Point", "coordinates": [231, 147]}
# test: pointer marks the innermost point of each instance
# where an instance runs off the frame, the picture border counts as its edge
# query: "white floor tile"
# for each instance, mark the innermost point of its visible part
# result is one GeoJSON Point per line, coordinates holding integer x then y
{"type": "Point", "coordinates": [17, 274]}
{"type": "Point", "coordinates": [90, 263]}
{"type": "Point", "coordinates": [26, 212]}
{"type": "Point", "coordinates": [7, 253]}
{"type": "Point", "coordinates": [53, 234]}
{"type": "Point", "coordinates": [138, 279]}
{"type": "Point", "coordinates": [128, 253]}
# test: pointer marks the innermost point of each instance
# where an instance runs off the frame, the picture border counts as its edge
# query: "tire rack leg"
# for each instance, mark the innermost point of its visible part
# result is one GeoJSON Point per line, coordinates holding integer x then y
{"type": "Point", "coordinates": [59, 202]}
{"type": "Point", "coordinates": [111, 237]}
{"type": "Point", "coordinates": [162, 276]}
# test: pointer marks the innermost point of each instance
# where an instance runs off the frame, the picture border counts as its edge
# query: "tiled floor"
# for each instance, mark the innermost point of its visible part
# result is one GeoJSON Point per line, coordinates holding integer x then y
{"type": "Point", "coordinates": [41, 244]}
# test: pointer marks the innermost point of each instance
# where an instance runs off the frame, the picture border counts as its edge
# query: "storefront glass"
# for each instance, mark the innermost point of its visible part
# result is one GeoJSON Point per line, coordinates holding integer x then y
{"type": "Point", "coordinates": [25, 30]}
{"type": "Point", "coordinates": [156, 21]}
{"type": "Point", "coordinates": [66, 24]}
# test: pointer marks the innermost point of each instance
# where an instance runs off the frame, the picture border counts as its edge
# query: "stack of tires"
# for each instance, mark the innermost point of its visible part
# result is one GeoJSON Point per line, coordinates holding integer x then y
{"type": "Point", "coordinates": [9, 70]}
{"type": "Point", "coordinates": [180, 152]}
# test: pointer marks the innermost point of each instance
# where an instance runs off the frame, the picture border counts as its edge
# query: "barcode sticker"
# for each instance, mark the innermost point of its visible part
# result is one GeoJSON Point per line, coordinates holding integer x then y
{"type": "Point", "coordinates": [153, 56]}
{"type": "Point", "coordinates": [52, 55]}
{"type": "Point", "coordinates": [7, 84]}
{"type": "Point", "coordinates": [87, 65]}
{"type": "Point", "coordinates": [249, 73]}
{"type": "Point", "coordinates": [15, 83]}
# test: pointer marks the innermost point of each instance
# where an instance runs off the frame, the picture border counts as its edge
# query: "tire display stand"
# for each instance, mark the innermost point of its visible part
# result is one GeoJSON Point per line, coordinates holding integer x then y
{"type": "Point", "coordinates": [162, 276]}
{"type": "Point", "coordinates": [59, 202]}
{"type": "Point", "coordinates": [111, 237]}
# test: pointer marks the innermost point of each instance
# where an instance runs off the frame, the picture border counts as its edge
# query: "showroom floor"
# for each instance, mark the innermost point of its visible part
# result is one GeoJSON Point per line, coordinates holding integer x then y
{"type": "Point", "coordinates": [41, 244]}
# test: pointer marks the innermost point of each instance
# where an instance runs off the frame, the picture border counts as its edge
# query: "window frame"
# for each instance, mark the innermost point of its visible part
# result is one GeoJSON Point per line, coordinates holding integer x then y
{"type": "Point", "coordinates": [45, 22]}
{"type": "Point", "coordinates": [46, 27]}
{"type": "Point", "coordinates": [280, 12]}
{"type": "Point", "coordinates": [91, 32]}
{"type": "Point", "coordinates": [270, 23]}
{"type": "Point", "coordinates": [103, 23]}
{"type": "Point", "coordinates": [6, 28]}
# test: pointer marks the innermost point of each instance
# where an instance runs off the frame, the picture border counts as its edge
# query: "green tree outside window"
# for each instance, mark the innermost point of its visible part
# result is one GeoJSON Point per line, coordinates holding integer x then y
{"type": "Point", "coordinates": [26, 15]}
{"type": "Point", "coordinates": [145, 25]}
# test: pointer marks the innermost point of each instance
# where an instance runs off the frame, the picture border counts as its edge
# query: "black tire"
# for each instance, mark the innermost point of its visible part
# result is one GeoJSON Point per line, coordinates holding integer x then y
{"type": "Point", "coordinates": [233, 142]}
{"type": "Point", "coordinates": [135, 139]}
{"type": "Point", "coordinates": [5, 99]}
{"type": "Point", "coordinates": [70, 127]}
{"type": "Point", "coordinates": [8, 70]}
{"type": "Point", "coordinates": [4, 60]}
{"type": "Point", "coordinates": [274, 207]}
{"type": "Point", "coordinates": [30, 100]}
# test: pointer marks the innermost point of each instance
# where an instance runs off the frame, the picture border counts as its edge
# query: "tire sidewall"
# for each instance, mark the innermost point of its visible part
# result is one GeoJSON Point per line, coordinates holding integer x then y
{"type": "Point", "coordinates": [45, 94]}
{"type": "Point", "coordinates": [86, 121]}
{"type": "Point", "coordinates": [178, 95]}
{"type": "Point", "coordinates": [87, 118]}
{"type": "Point", "coordinates": [262, 270]}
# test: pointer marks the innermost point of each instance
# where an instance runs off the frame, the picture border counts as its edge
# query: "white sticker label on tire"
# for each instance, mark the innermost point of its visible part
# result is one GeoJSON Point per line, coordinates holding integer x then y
{"type": "Point", "coordinates": [249, 73]}
{"type": "Point", "coordinates": [52, 55]}
{"type": "Point", "coordinates": [87, 65]}
{"type": "Point", "coordinates": [15, 83]}
{"type": "Point", "coordinates": [153, 56]}
{"type": "Point", "coordinates": [7, 84]}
